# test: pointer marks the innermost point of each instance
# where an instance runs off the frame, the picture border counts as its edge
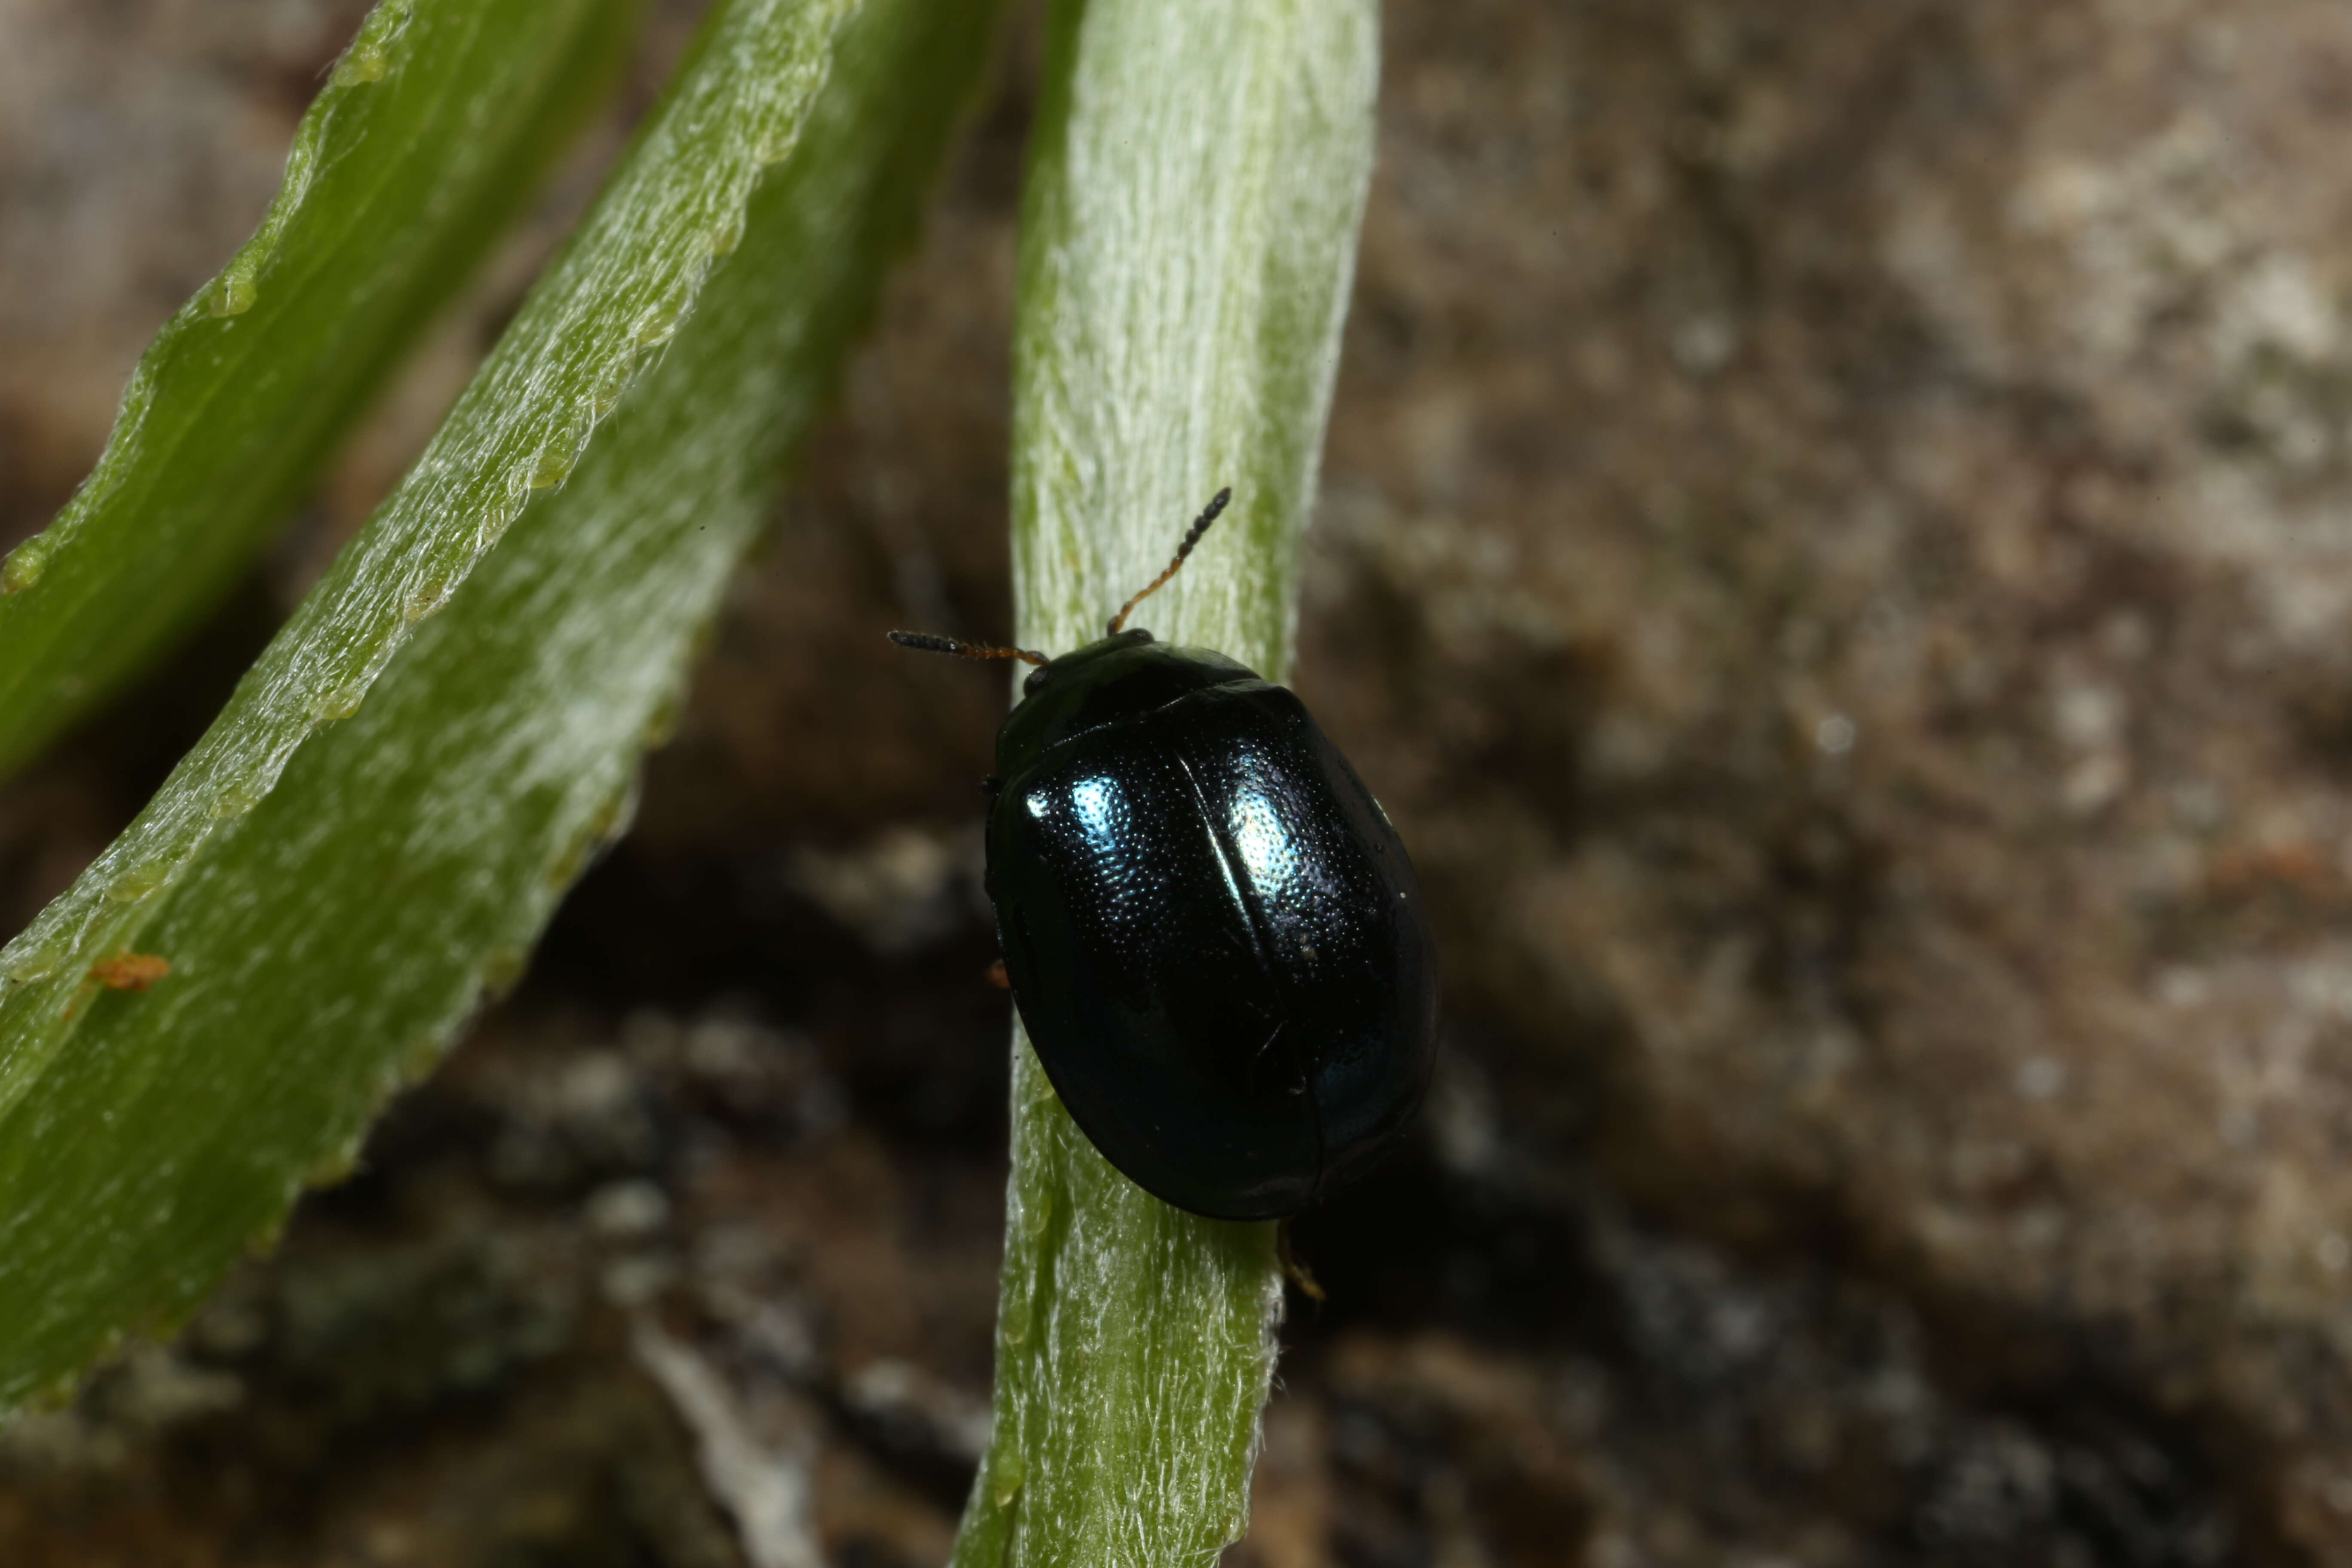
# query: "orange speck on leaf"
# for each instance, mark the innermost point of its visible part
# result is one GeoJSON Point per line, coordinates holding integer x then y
{"type": "Point", "coordinates": [128, 971]}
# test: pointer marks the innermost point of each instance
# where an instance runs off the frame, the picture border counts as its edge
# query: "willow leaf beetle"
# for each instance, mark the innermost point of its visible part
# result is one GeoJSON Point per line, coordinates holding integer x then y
{"type": "Point", "coordinates": [1211, 928]}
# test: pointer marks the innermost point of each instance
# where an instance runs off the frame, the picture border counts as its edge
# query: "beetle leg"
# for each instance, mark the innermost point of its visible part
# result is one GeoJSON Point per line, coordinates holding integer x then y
{"type": "Point", "coordinates": [1298, 1273]}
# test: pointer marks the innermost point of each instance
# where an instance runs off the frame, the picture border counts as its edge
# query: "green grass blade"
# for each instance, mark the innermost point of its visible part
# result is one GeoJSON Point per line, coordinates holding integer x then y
{"type": "Point", "coordinates": [1196, 181]}
{"type": "Point", "coordinates": [329, 937]}
{"type": "Point", "coordinates": [618, 293]}
{"type": "Point", "coordinates": [428, 136]}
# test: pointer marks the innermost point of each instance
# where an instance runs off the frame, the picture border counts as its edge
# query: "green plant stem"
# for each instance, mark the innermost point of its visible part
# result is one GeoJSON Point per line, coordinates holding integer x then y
{"type": "Point", "coordinates": [1196, 182]}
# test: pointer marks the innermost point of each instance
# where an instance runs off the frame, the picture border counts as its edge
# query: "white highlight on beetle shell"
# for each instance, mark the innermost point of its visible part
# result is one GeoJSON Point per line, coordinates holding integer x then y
{"type": "Point", "coordinates": [1101, 810]}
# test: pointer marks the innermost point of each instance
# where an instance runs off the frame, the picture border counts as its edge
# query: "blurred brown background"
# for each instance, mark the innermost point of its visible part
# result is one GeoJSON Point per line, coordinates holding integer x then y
{"type": "Point", "coordinates": [1835, 548]}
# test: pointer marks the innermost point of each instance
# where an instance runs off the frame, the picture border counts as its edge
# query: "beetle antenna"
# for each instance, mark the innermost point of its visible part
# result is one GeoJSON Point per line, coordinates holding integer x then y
{"type": "Point", "coordinates": [1192, 537]}
{"type": "Point", "coordinates": [925, 642]}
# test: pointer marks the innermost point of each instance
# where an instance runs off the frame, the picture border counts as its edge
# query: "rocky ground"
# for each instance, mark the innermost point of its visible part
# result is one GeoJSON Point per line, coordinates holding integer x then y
{"type": "Point", "coordinates": [1836, 550]}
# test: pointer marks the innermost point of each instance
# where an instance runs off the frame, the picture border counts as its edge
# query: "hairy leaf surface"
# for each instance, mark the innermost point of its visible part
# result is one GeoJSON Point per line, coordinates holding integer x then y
{"type": "Point", "coordinates": [377, 828]}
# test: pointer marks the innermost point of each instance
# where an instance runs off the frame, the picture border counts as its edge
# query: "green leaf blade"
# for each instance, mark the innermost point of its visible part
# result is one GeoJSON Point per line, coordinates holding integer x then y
{"type": "Point", "coordinates": [430, 134]}
{"type": "Point", "coordinates": [620, 291]}
{"type": "Point", "coordinates": [1196, 181]}
{"type": "Point", "coordinates": [328, 940]}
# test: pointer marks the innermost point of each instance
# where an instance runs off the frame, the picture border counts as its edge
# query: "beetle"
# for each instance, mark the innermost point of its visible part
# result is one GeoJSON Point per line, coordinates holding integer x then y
{"type": "Point", "coordinates": [1212, 930]}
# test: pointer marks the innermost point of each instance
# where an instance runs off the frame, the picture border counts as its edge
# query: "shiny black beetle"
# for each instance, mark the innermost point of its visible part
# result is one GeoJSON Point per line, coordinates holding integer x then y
{"type": "Point", "coordinates": [1209, 926]}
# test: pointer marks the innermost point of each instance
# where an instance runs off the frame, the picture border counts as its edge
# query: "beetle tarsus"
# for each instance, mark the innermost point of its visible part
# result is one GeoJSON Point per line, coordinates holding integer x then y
{"type": "Point", "coordinates": [1298, 1273]}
